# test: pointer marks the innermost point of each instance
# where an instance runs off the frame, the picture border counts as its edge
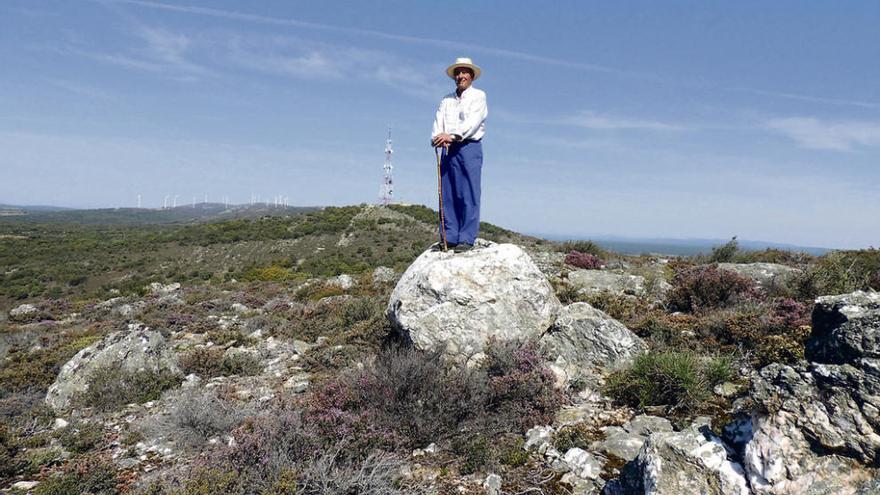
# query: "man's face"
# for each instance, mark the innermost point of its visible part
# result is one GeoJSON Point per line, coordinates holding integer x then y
{"type": "Point", "coordinates": [464, 77]}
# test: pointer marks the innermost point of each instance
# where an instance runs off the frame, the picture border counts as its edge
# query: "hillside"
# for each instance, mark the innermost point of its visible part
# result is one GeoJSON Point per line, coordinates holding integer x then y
{"type": "Point", "coordinates": [98, 253]}
{"type": "Point", "coordinates": [200, 212]}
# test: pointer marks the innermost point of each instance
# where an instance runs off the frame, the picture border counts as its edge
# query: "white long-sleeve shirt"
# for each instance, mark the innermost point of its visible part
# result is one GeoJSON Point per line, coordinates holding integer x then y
{"type": "Point", "coordinates": [464, 115]}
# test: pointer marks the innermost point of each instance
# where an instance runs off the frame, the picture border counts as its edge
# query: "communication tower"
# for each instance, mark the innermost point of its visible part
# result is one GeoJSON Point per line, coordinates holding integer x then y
{"type": "Point", "coordinates": [386, 190]}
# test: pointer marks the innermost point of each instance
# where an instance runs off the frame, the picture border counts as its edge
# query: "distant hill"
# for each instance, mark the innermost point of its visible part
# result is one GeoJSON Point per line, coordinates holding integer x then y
{"type": "Point", "coordinates": [202, 212]}
{"type": "Point", "coordinates": [33, 208]}
{"type": "Point", "coordinates": [679, 247]}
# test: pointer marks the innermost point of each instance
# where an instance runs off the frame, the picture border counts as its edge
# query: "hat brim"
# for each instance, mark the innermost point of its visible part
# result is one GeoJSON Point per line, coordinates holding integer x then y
{"type": "Point", "coordinates": [451, 69]}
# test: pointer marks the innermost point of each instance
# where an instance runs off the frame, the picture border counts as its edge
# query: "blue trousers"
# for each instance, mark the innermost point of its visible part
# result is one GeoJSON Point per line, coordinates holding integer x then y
{"type": "Point", "coordinates": [460, 171]}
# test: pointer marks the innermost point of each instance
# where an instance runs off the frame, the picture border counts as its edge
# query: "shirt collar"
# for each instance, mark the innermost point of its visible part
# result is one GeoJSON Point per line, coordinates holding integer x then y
{"type": "Point", "coordinates": [463, 93]}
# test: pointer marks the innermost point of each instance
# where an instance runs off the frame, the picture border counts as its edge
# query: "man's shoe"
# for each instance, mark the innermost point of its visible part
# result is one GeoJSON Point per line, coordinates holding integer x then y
{"type": "Point", "coordinates": [438, 246]}
{"type": "Point", "coordinates": [463, 247]}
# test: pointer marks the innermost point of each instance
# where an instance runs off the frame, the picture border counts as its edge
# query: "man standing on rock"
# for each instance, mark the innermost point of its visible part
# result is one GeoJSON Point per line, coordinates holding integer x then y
{"type": "Point", "coordinates": [459, 126]}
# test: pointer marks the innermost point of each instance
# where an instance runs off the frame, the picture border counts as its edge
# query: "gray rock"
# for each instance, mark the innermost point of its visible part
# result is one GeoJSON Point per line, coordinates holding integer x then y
{"type": "Point", "coordinates": [625, 442]}
{"type": "Point", "coordinates": [492, 484]}
{"type": "Point", "coordinates": [588, 338]}
{"type": "Point", "coordinates": [539, 439]}
{"type": "Point", "coordinates": [597, 281]}
{"type": "Point", "coordinates": [831, 405]}
{"type": "Point", "coordinates": [765, 275]}
{"type": "Point", "coordinates": [239, 308]}
{"type": "Point", "coordinates": [845, 328]}
{"type": "Point", "coordinates": [645, 425]}
{"type": "Point", "coordinates": [343, 281]}
{"type": "Point", "coordinates": [25, 485]}
{"type": "Point", "coordinates": [23, 311]}
{"type": "Point", "coordinates": [163, 290]}
{"type": "Point", "coordinates": [383, 275]}
{"type": "Point", "coordinates": [778, 461]}
{"type": "Point", "coordinates": [691, 461]}
{"type": "Point", "coordinates": [619, 443]}
{"type": "Point", "coordinates": [135, 349]}
{"type": "Point", "coordinates": [457, 302]}
{"type": "Point", "coordinates": [583, 464]}
{"type": "Point", "coordinates": [130, 310]}
{"type": "Point", "coordinates": [549, 262]}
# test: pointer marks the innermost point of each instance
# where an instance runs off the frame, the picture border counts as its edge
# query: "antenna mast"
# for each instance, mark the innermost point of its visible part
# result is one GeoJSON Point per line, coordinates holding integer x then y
{"type": "Point", "coordinates": [386, 190]}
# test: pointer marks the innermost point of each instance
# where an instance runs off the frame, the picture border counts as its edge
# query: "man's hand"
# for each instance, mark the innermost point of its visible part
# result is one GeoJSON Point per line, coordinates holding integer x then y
{"type": "Point", "coordinates": [442, 140]}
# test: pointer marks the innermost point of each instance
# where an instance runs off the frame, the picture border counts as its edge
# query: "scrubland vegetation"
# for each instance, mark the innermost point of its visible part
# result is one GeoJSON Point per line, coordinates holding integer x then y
{"type": "Point", "coordinates": [370, 401]}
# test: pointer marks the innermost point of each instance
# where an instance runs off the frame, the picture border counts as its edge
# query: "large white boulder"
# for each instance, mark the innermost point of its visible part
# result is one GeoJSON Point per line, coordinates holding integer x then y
{"type": "Point", "coordinates": [591, 340]}
{"type": "Point", "coordinates": [458, 301]}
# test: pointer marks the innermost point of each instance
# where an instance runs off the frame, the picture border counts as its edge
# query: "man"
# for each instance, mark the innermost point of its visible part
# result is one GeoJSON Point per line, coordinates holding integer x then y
{"type": "Point", "coordinates": [459, 126]}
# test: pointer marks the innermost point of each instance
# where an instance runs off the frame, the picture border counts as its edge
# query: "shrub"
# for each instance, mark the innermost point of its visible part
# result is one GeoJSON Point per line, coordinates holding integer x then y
{"type": "Point", "coordinates": [272, 273]}
{"type": "Point", "coordinates": [841, 272]}
{"type": "Point", "coordinates": [9, 447]}
{"type": "Point", "coordinates": [725, 253]}
{"type": "Point", "coordinates": [198, 416]}
{"type": "Point", "coordinates": [402, 397]}
{"type": "Point", "coordinates": [214, 361]}
{"type": "Point", "coordinates": [582, 260]}
{"type": "Point", "coordinates": [331, 474]}
{"type": "Point", "coordinates": [85, 475]}
{"type": "Point", "coordinates": [405, 399]}
{"type": "Point", "coordinates": [579, 435]}
{"type": "Point", "coordinates": [682, 381]}
{"type": "Point", "coordinates": [772, 255]}
{"type": "Point", "coordinates": [521, 388]}
{"type": "Point", "coordinates": [110, 388]}
{"type": "Point", "coordinates": [36, 369]}
{"type": "Point", "coordinates": [475, 452]}
{"type": "Point", "coordinates": [80, 437]}
{"type": "Point", "coordinates": [705, 287]}
{"type": "Point", "coordinates": [511, 452]}
{"type": "Point", "coordinates": [585, 247]}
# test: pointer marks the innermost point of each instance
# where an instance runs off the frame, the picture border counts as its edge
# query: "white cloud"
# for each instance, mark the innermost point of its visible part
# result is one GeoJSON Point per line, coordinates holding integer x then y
{"type": "Point", "coordinates": [813, 133]}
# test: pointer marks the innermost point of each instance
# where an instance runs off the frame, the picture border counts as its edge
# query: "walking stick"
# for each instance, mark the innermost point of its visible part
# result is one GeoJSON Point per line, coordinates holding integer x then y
{"type": "Point", "coordinates": [440, 196]}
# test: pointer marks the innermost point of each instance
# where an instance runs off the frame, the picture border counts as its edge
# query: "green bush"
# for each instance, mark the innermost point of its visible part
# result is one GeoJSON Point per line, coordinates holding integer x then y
{"type": "Point", "coordinates": [585, 247]}
{"type": "Point", "coordinates": [841, 272]}
{"type": "Point", "coordinates": [209, 362]}
{"type": "Point", "coordinates": [86, 475]}
{"type": "Point", "coordinates": [80, 437]}
{"type": "Point", "coordinates": [36, 369]}
{"type": "Point", "coordinates": [110, 388]}
{"type": "Point", "coordinates": [682, 381]}
{"type": "Point", "coordinates": [725, 253]}
{"type": "Point", "coordinates": [579, 435]}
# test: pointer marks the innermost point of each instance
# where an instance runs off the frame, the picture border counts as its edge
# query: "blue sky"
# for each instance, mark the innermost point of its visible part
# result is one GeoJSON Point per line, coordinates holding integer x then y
{"type": "Point", "coordinates": [640, 119]}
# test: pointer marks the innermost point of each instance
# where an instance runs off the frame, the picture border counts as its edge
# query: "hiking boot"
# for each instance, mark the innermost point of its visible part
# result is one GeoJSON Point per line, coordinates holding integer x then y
{"type": "Point", "coordinates": [463, 247]}
{"type": "Point", "coordinates": [438, 246]}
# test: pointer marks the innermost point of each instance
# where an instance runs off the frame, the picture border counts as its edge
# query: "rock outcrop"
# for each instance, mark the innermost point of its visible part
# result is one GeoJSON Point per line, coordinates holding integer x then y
{"type": "Point", "coordinates": [135, 349]}
{"type": "Point", "coordinates": [457, 302]}
{"type": "Point", "coordinates": [690, 461]}
{"type": "Point", "coordinates": [596, 281]}
{"type": "Point", "coordinates": [591, 340]}
{"type": "Point", "coordinates": [765, 275]}
{"type": "Point", "coordinates": [817, 424]}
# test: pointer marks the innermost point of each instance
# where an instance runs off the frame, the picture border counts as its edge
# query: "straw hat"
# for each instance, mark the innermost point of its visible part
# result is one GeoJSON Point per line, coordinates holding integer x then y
{"type": "Point", "coordinates": [463, 62]}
